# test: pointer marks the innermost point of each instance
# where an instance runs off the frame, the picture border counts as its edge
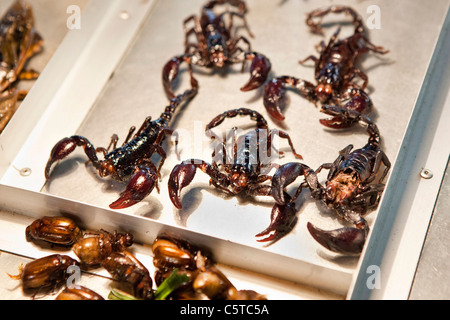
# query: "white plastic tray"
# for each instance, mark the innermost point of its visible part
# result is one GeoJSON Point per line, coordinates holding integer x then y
{"type": "Point", "coordinates": [106, 77]}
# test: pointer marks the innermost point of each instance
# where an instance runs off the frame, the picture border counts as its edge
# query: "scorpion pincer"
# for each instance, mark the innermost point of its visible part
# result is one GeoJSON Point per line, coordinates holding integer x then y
{"type": "Point", "coordinates": [349, 191]}
{"type": "Point", "coordinates": [217, 46]}
{"type": "Point", "coordinates": [335, 72]}
{"type": "Point", "coordinates": [133, 158]}
{"type": "Point", "coordinates": [242, 173]}
{"type": "Point", "coordinates": [19, 41]}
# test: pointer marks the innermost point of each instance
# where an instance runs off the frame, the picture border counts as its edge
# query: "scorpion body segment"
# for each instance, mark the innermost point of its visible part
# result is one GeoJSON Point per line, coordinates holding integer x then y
{"type": "Point", "coordinates": [336, 72]}
{"type": "Point", "coordinates": [217, 46]}
{"type": "Point", "coordinates": [349, 191]}
{"type": "Point", "coordinates": [242, 172]}
{"type": "Point", "coordinates": [132, 160]}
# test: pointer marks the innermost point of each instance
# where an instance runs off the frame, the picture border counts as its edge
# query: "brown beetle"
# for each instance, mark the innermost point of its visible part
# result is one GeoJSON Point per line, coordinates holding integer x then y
{"type": "Point", "coordinates": [58, 230]}
{"type": "Point", "coordinates": [133, 277]}
{"type": "Point", "coordinates": [206, 281]}
{"type": "Point", "coordinates": [93, 248]}
{"type": "Point", "coordinates": [45, 273]}
{"type": "Point", "coordinates": [78, 293]}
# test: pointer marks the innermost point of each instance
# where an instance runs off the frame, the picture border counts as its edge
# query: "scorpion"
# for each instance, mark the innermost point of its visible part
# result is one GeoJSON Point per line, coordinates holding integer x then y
{"type": "Point", "coordinates": [241, 175]}
{"type": "Point", "coordinates": [217, 46]}
{"type": "Point", "coordinates": [349, 190]}
{"type": "Point", "coordinates": [335, 72]}
{"type": "Point", "coordinates": [19, 41]}
{"type": "Point", "coordinates": [132, 160]}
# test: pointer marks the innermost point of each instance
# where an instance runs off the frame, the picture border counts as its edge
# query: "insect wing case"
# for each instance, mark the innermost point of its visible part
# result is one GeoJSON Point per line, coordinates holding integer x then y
{"type": "Point", "coordinates": [106, 77]}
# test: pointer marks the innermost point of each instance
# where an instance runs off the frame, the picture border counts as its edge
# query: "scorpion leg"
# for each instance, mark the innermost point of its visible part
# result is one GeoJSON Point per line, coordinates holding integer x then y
{"type": "Point", "coordinates": [283, 135]}
{"type": "Point", "coordinates": [66, 146]}
{"type": "Point", "coordinates": [141, 184]}
{"type": "Point", "coordinates": [347, 240]}
{"type": "Point", "coordinates": [240, 4]}
{"type": "Point", "coordinates": [259, 70]}
{"type": "Point", "coordinates": [286, 174]}
{"type": "Point", "coordinates": [274, 93]}
{"type": "Point", "coordinates": [183, 174]}
{"type": "Point", "coordinates": [239, 15]}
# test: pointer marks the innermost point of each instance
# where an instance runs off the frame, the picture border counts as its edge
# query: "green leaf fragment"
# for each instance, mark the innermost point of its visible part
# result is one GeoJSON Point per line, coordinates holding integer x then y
{"type": "Point", "coordinates": [173, 282]}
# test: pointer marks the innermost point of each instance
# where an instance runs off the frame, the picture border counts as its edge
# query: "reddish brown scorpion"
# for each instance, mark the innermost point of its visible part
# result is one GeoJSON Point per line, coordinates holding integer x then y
{"type": "Point", "coordinates": [335, 72]}
{"type": "Point", "coordinates": [132, 161]}
{"type": "Point", "coordinates": [217, 46]}
{"type": "Point", "coordinates": [242, 172]}
{"type": "Point", "coordinates": [349, 191]}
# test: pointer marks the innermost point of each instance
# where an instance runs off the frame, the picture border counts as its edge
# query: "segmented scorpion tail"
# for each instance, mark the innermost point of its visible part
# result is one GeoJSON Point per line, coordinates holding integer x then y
{"type": "Point", "coordinates": [179, 99]}
{"type": "Point", "coordinates": [320, 13]}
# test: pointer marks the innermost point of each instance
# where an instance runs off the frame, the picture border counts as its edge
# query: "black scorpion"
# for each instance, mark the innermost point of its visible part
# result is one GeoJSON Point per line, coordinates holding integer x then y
{"type": "Point", "coordinates": [133, 158]}
{"type": "Point", "coordinates": [349, 191]}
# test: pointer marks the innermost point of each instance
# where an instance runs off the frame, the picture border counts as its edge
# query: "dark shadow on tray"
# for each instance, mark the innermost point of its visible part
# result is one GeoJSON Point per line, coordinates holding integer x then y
{"type": "Point", "coordinates": [64, 168]}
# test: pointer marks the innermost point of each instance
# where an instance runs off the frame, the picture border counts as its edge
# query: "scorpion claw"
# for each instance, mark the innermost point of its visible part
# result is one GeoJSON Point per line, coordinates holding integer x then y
{"type": "Point", "coordinates": [273, 95]}
{"type": "Point", "coordinates": [285, 175]}
{"type": "Point", "coordinates": [170, 72]}
{"type": "Point", "coordinates": [140, 185]}
{"type": "Point", "coordinates": [344, 240]}
{"type": "Point", "coordinates": [181, 176]}
{"type": "Point", "coordinates": [282, 220]}
{"type": "Point", "coordinates": [259, 71]}
{"type": "Point", "coordinates": [335, 123]}
{"type": "Point", "coordinates": [61, 150]}
{"type": "Point", "coordinates": [344, 117]}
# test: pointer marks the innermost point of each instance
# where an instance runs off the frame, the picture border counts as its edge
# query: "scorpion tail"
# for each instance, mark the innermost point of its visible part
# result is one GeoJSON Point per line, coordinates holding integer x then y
{"type": "Point", "coordinates": [140, 185]}
{"type": "Point", "coordinates": [282, 220]}
{"type": "Point", "coordinates": [346, 240]}
{"type": "Point", "coordinates": [259, 71]}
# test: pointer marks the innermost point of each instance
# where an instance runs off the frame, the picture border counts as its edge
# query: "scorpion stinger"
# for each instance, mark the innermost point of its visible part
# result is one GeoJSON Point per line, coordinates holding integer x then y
{"type": "Point", "coordinates": [336, 73]}
{"type": "Point", "coordinates": [132, 161]}
{"type": "Point", "coordinates": [350, 190]}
